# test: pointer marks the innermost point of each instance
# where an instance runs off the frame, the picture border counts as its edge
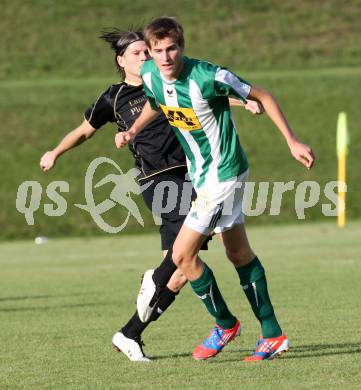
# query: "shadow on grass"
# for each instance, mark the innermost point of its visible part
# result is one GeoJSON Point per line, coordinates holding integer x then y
{"type": "Point", "coordinates": [11, 299]}
{"type": "Point", "coordinates": [172, 356]}
{"type": "Point", "coordinates": [31, 297]}
{"type": "Point", "coordinates": [302, 351]}
{"type": "Point", "coordinates": [314, 350]}
{"type": "Point", "coordinates": [189, 355]}
{"type": "Point", "coordinates": [55, 307]}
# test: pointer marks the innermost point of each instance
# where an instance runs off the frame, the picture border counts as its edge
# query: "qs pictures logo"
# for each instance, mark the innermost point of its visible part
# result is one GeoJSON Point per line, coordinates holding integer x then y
{"type": "Point", "coordinates": [124, 185]}
{"type": "Point", "coordinates": [29, 196]}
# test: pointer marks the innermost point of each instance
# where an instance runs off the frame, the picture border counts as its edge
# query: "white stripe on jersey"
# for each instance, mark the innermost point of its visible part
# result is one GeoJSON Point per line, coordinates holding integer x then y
{"type": "Point", "coordinates": [147, 78]}
{"type": "Point", "coordinates": [211, 129]}
{"type": "Point", "coordinates": [171, 100]}
{"type": "Point", "coordinates": [227, 77]}
{"type": "Point", "coordinates": [199, 160]}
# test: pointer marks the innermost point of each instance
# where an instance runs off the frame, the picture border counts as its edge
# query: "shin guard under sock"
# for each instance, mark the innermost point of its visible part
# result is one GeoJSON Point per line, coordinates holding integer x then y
{"type": "Point", "coordinates": [254, 284]}
{"type": "Point", "coordinates": [134, 327]}
{"type": "Point", "coordinates": [207, 290]}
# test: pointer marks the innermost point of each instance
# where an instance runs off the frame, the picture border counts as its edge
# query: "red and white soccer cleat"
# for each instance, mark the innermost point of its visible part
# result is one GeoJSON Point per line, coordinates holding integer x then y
{"type": "Point", "coordinates": [269, 348]}
{"type": "Point", "coordinates": [216, 341]}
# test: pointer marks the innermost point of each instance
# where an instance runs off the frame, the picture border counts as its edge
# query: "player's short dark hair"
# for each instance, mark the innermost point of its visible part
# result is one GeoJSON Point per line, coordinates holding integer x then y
{"type": "Point", "coordinates": [164, 27]}
{"type": "Point", "coordinates": [119, 41]}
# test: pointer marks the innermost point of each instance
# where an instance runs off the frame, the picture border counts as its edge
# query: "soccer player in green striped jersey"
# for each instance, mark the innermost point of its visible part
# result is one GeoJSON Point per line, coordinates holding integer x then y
{"type": "Point", "coordinates": [193, 94]}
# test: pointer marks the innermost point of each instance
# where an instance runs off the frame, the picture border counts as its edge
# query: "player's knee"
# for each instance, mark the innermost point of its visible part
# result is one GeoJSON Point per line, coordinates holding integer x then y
{"type": "Point", "coordinates": [178, 257]}
{"type": "Point", "coordinates": [240, 256]}
{"type": "Point", "coordinates": [181, 258]}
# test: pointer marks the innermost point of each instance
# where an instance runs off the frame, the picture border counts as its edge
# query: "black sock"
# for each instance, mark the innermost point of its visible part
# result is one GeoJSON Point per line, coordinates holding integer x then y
{"type": "Point", "coordinates": [163, 273]}
{"type": "Point", "coordinates": [134, 327]}
{"type": "Point", "coordinates": [166, 298]}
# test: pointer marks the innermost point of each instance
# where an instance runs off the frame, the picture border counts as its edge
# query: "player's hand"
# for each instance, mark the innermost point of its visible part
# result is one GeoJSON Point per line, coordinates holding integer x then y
{"type": "Point", "coordinates": [122, 138]}
{"type": "Point", "coordinates": [47, 161]}
{"type": "Point", "coordinates": [254, 107]}
{"type": "Point", "coordinates": [302, 153]}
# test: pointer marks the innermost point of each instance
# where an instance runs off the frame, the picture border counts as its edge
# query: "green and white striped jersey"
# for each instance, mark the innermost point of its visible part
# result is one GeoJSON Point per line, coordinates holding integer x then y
{"type": "Point", "coordinates": [196, 106]}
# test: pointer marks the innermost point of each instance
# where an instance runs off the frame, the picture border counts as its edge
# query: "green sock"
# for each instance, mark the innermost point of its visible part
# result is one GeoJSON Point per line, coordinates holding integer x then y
{"type": "Point", "coordinates": [254, 283]}
{"type": "Point", "coordinates": [206, 288]}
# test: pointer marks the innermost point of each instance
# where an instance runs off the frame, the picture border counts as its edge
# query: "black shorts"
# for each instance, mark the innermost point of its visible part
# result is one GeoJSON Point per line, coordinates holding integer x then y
{"type": "Point", "coordinates": [169, 196]}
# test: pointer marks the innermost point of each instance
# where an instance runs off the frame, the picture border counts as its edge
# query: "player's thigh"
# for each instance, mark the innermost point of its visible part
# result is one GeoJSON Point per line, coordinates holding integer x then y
{"type": "Point", "coordinates": [169, 231]}
{"type": "Point", "coordinates": [156, 195]}
{"type": "Point", "coordinates": [172, 220]}
{"type": "Point", "coordinates": [165, 196]}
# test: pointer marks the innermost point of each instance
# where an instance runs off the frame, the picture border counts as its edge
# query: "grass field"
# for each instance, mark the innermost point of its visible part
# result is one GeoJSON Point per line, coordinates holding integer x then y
{"type": "Point", "coordinates": [61, 302]}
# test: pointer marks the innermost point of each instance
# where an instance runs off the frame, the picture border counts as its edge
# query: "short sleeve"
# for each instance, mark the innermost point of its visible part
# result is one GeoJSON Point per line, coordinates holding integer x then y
{"type": "Point", "coordinates": [146, 73]}
{"type": "Point", "coordinates": [150, 97]}
{"type": "Point", "coordinates": [227, 83]}
{"type": "Point", "coordinates": [101, 111]}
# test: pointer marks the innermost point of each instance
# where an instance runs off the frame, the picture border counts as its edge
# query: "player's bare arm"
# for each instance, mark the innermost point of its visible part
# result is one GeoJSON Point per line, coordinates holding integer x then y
{"type": "Point", "coordinates": [72, 139]}
{"type": "Point", "coordinates": [147, 115]}
{"type": "Point", "coordinates": [252, 106]}
{"type": "Point", "coordinates": [301, 152]}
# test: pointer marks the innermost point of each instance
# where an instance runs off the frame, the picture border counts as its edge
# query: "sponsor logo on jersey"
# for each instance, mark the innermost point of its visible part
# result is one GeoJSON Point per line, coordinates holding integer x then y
{"type": "Point", "coordinates": [182, 118]}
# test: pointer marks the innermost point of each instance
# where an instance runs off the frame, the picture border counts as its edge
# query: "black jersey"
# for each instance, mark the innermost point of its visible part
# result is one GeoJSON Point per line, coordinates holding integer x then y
{"type": "Point", "coordinates": [156, 148]}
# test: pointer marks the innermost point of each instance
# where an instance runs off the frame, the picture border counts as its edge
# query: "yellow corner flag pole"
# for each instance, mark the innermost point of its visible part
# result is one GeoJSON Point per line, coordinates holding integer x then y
{"type": "Point", "coordinates": [342, 150]}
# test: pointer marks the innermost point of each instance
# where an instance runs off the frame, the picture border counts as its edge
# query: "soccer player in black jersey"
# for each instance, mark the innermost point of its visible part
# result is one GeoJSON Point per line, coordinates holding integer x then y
{"type": "Point", "coordinates": [157, 154]}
